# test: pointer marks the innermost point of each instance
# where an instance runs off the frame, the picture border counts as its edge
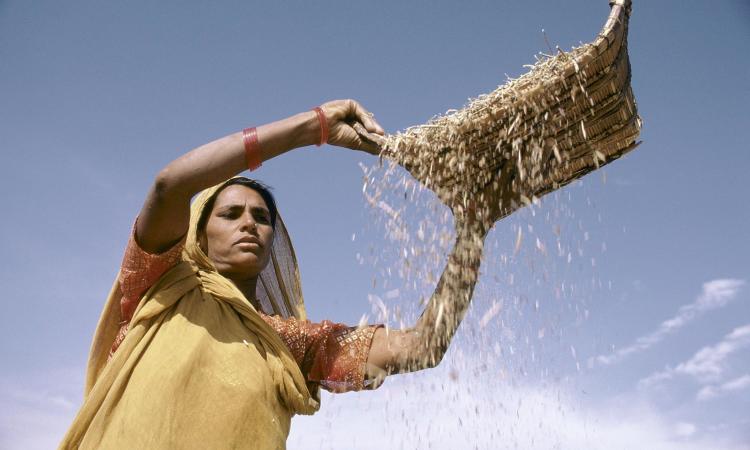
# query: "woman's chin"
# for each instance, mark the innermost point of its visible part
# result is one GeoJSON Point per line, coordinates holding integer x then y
{"type": "Point", "coordinates": [249, 264]}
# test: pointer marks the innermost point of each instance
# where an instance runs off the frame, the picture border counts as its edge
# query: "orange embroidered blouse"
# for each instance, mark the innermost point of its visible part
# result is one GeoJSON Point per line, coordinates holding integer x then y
{"type": "Point", "coordinates": [332, 355]}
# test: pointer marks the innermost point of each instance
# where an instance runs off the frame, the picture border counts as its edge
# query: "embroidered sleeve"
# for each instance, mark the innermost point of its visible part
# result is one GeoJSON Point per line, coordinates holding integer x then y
{"type": "Point", "coordinates": [330, 354]}
{"type": "Point", "coordinates": [139, 271]}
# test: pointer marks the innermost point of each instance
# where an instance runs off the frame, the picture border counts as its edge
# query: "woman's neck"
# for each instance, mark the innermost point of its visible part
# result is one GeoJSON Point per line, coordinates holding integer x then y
{"type": "Point", "coordinates": [247, 286]}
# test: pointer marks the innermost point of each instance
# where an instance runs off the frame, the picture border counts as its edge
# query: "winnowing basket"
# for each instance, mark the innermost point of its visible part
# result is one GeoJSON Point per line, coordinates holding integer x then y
{"type": "Point", "coordinates": [570, 114]}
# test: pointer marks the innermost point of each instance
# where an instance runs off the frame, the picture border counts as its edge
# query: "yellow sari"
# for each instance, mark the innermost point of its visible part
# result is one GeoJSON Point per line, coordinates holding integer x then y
{"type": "Point", "coordinates": [199, 367]}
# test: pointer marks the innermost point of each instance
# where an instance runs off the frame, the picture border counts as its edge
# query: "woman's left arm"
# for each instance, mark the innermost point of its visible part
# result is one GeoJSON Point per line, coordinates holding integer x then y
{"type": "Point", "coordinates": [424, 345]}
{"type": "Point", "coordinates": [165, 214]}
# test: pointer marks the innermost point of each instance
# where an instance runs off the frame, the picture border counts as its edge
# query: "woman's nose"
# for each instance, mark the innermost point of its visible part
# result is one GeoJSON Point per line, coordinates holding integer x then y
{"type": "Point", "coordinates": [248, 222]}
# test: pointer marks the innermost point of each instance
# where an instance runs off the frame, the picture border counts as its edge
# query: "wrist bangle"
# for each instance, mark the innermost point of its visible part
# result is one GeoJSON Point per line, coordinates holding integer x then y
{"type": "Point", "coordinates": [252, 148]}
{"type": "Point", "coordinates": [323, 126]}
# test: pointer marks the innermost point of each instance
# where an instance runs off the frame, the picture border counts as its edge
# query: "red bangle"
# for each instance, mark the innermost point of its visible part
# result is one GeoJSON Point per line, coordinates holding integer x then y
{"type": "Point", "coordinates": [252, 148]}
{"type": "Point", "coordinates": [323, 126]}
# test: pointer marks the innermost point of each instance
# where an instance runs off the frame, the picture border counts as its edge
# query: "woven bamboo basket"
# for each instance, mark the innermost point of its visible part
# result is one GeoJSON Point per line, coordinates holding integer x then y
{"type": "Point", "coordinates": [569, 115]}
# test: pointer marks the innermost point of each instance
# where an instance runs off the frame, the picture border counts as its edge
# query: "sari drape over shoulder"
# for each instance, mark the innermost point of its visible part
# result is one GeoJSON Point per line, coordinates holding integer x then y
{"type": "Point", "coordinates": [199, 367]}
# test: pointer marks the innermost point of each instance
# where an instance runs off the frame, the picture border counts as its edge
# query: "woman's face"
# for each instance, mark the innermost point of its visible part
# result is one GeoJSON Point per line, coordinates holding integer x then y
{"type": "Point", "coordinates": [239, 234]}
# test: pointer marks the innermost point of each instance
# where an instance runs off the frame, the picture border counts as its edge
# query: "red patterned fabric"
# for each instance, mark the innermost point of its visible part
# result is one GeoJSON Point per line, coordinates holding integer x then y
{"type": "Point", "coordinates": [332, 355]}
{"type": "Point", "coordinates": [140, 271]}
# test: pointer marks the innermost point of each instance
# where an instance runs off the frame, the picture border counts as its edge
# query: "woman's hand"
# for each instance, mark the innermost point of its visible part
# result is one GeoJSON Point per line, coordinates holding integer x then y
{"type": "Point", "coordinates": [342, 116]}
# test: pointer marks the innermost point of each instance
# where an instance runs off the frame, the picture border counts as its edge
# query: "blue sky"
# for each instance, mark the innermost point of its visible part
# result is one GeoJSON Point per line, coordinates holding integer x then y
{"type": "Point", "coordinates": [642, 338]}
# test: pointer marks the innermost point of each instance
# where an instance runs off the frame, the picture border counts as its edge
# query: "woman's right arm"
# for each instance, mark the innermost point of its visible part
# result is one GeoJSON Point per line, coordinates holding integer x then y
{"type": "Point", "coordinates": [165, 214]}
{"type": "Point", "coordinates": [424, 345]}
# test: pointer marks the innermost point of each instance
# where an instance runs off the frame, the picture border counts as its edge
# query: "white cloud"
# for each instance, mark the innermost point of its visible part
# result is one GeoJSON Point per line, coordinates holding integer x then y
{"type": "Point", "coordinates": [713, 391]}
{"type": "Point", "coordinates": [716, 294]}
{"type": "Point", "coordinates": [428, 410]}
{"type": "Point", "coordinates": [36, 409]}
{"type": "Point", "coordinates": [431, 411]}
{"type": "Point", "coordinates": [707, 364]}
{"type": "Point", "coordinates": [656, 378]}
{"type": "Point", "coordinates": [685, 430]}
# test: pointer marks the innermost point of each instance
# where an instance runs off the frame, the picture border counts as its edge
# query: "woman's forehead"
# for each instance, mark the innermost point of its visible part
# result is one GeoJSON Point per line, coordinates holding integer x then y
{"type": "Point", "coordinates": [237, 194]}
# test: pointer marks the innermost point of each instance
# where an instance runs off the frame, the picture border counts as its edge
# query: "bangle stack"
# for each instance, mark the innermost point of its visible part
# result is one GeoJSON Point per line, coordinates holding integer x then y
{"type": "Point", "coordinates": [253, 158]}
{"type": "Point", "coordinates": [323, 126]}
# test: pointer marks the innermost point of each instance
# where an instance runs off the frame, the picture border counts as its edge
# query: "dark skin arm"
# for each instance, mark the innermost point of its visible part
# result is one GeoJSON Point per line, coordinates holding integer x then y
{"type": "Point", "coordinates": [424, 345]}
{"type": "Point", "coordinates": [165, 214]}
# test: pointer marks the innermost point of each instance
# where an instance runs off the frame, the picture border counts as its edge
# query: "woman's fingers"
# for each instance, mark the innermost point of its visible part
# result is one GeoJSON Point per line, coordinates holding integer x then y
{"type": "Point", "coordinates": [357, 138]}
{"type": "Point", "coordinates": [353, 126]}
{"type": "Point", "coordinates": [352, 111]}
{"type": "Point", "coordinates": [368, 137]}
{"type": "Point", "coordinates": [370, 147]}
{"type": "Point", "coordinates": [367, 119]}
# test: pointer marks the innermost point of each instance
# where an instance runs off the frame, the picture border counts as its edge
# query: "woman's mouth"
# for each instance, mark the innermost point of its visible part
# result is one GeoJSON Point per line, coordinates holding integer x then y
{"type": "Point", "coordinates": [248, 241]}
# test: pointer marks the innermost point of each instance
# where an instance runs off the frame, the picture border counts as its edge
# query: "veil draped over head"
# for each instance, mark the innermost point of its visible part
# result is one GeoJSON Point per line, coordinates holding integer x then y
{"type": "Point", "coordinates": [279, 288]}
{"type": "Point", "coordinates": [215, 317]}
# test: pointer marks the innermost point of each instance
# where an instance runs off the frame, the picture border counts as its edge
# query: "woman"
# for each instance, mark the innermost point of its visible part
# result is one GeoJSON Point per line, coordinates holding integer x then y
{"type": "Point", "coordinates": [187, 356]}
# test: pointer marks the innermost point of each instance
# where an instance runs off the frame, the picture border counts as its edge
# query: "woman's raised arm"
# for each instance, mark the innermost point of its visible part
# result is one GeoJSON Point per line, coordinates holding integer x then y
{"type": "Point", "coordinates": [424, 345]}
{"type": "Point", "coordinates": [164, 217]}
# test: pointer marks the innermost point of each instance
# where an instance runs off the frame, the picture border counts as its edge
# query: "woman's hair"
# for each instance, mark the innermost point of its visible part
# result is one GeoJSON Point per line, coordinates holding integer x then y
{"type": "Point", "coordinates": [257, 186]}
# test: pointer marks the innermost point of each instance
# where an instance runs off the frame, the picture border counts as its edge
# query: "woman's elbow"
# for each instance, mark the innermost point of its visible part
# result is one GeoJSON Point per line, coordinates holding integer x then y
{"type": "Point", "coordinates": [166, 184]}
